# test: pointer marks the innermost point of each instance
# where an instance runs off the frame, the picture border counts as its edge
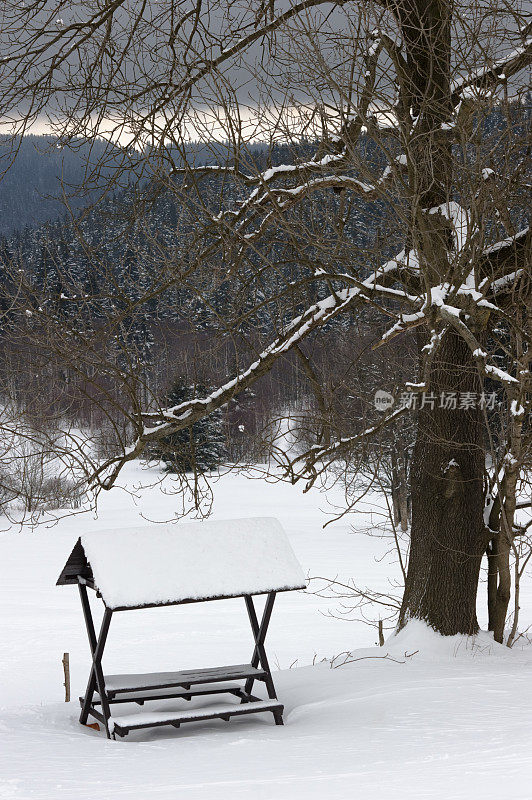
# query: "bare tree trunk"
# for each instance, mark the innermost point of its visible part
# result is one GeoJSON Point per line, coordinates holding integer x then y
{"type": "Point", "coordinates": [504, 587]}
{"type": "Point", "coordinates": [502, 516]}
{"type": "Point", "coordinates": [403, 491]}
{"type": "Point", "coordinates": [395, 488]}
{"type": "Point", "coordinates": [324, 435]}
{"type": "Point", "coordinates": [491, 554]}
{"type": "Point", "coordinates": [448, 533]}
{"type": "Point", "coordinates": [399, 487]}
{"type": "Point", "coordinates": [448, 536]}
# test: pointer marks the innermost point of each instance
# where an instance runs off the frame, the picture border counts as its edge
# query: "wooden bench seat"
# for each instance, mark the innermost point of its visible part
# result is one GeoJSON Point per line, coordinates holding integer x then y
{"type": "Point", "coordinates": [115, 684]}
{"type": "Point", "coordinates": [121, 725]}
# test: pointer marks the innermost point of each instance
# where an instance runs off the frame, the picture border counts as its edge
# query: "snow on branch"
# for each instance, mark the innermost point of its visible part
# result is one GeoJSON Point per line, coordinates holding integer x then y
{"type": "Point", "coordinates": [506, 263]}
{"type": "Point", "coordinates": [506, 243]}
{"type": "Point", "coordinates": [284, 198]}
{"type": "Point", "coordinates": [452, 317]}
{"type": "Point", "coordinates": [268, 175]}
{"type": "Point", "coordinates": [173, 419]}
{"type": "Point", "coordinates": [506, 282]}
{"type": "Point", "coordinates": [326, 182]}
{"type": "Point", "coordinates": [460, 221]}
{"type": "Point", "coordinates": [485, 78]}
{"type": "Point", "coordinates": [404, 323]}
{"type": "Point", "coordinates": [317, 453]}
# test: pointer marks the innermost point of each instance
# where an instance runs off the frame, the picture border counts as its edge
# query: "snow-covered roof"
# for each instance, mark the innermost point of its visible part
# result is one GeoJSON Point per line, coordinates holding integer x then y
{"type": "Point", "coordinates": [167, 564]}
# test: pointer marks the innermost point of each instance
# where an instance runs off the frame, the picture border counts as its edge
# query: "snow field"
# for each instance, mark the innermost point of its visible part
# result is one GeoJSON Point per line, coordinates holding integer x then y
{"type": "Point", "coordinates": [452, 720]}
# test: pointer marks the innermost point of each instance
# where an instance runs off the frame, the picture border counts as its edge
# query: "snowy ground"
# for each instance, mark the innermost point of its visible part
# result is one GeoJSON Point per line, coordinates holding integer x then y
{"type": "Point", "coordinates": [453, 720]}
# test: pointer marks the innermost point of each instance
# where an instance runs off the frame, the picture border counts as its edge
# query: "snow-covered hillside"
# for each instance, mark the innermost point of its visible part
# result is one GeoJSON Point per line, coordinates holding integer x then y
{"type": "Point", "coordinates": [421, 717]}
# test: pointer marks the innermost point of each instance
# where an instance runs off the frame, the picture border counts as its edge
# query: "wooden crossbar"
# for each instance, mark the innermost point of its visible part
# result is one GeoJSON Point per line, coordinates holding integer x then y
{"type": "Point", "coordinates": [259, 652]}
{"type": "Point", "coordinates": [96, 677]}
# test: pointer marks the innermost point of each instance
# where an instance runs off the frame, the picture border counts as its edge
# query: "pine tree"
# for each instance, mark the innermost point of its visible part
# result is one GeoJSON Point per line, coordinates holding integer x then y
{"type": "Point", "coordinates": [199, 448]}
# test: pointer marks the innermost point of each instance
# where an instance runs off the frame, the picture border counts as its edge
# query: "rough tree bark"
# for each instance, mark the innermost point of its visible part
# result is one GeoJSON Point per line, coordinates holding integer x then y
{"type": "Point", "coordinates": [448, 533]}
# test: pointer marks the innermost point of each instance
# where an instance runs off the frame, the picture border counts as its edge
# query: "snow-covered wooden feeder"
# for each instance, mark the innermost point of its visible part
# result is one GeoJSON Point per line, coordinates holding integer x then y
{"type": "Point", "coordinates": [172, 565]}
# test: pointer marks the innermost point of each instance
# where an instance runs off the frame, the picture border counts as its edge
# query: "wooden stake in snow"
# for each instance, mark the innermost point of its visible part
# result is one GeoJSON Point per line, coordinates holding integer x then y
{"type": "Point", "coordinates": [381, 633]}
{"type": "Point", "coordinates": [66, 670]}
